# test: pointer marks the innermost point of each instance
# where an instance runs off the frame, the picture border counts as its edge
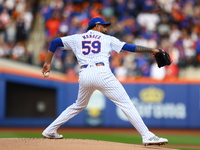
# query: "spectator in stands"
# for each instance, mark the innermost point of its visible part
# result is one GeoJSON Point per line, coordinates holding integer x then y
{"type": "Point", "coordinates": [69, 63]}
{"type": "Point", "coordinates": [46, 11]}
{"type": "Point", "coordinates": [52, 25]}
{"type": "Point", "coordinates": [21, 33]}
{"type": "Point", "coordinates": [121, 72]}
{"type": "Point", "coordinates": [157, 73]}
{"type": "Point", "coordinates": [18, 52]}
{"type": "Point", "coordinates": [4, 21]}
{"type": "Point", "coordinates": [42, 56]}
{"type": "Point", "coordinates": [172, 71]}
{"type": "Point", "coordinates": [197, 46]}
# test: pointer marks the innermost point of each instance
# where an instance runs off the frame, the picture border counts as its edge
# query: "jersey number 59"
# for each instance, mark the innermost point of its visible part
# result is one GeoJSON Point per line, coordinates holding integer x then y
{"type": "Point", "coordinates": [91, 46]}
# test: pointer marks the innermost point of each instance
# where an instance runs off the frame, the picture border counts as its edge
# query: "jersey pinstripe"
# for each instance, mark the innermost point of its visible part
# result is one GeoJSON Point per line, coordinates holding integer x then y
{"type": "Point", "coordinates": [90, 48]}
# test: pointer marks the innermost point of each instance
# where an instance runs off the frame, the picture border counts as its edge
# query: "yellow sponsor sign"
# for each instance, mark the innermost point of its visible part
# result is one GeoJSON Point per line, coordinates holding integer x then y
{"type": "Point", "coordinates": [94, 112]}
{"type": "Point", "coordinates": [152, 94]}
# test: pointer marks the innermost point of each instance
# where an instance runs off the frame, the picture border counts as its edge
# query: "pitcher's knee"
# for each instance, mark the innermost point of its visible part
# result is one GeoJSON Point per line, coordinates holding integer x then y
{"type": "Point", "coordinates": [80, 106]}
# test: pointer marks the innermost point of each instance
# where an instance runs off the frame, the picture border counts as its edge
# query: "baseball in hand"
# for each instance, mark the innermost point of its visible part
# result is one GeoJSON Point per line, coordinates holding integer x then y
{"type": "Point", "coordinates": [46, 74]}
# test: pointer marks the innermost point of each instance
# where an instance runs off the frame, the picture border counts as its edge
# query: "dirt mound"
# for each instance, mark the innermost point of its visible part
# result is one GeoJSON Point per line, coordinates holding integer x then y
{"type": "Point", "coordinates": [68, 144]}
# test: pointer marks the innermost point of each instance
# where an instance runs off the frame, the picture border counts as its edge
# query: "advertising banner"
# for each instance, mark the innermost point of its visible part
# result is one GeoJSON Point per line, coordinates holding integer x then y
{"type": "Point", "coordinates": [163, 105]}
{"type": "Point", "coordinates": [158, 105]}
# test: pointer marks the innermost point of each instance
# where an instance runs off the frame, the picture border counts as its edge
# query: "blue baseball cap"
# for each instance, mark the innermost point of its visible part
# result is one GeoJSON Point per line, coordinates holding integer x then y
{"type": "Point", "coordinates": [96, 21]}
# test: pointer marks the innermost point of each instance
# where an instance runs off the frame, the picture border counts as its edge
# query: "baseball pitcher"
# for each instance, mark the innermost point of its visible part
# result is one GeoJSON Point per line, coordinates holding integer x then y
{"type": "Point", "coordinates": [92, 50]}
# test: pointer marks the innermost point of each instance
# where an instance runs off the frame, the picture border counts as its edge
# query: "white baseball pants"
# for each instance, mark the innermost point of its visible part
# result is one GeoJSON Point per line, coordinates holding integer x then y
{"type": "Point", "coordinates": [101, 78]}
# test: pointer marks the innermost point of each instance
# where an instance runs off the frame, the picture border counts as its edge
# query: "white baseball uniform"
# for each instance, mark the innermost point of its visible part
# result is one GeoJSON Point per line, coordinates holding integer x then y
{"type": "Point", "coordinates": [92, 48]}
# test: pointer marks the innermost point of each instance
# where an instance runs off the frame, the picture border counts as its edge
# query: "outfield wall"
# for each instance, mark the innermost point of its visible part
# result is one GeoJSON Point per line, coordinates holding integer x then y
{"type": "Point", "coordinates": [29, 100]}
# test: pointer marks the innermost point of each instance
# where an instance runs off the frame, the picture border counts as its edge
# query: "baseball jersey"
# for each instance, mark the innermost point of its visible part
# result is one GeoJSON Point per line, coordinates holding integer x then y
{"type": "Point", "coordinates": [86, 46]}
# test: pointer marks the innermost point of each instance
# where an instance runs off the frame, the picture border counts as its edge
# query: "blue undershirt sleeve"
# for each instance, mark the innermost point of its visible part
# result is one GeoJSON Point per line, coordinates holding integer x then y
{"type": "Point", "coordinates": [129, 47]}
{"type": "Point", "coordinates": [55, 44]}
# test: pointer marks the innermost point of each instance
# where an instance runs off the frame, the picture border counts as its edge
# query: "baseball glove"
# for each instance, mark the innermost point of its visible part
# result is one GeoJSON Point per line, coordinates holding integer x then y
{"type": "Point", "coordinates": [162, 58]}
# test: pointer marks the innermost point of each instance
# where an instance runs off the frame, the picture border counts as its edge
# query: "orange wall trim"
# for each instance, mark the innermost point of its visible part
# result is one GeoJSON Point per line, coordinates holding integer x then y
{"type": "Point", "coordinates": [64, 78]}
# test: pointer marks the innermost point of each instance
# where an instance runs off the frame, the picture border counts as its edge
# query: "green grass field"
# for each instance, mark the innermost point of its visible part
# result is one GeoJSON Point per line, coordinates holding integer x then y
{"type": "Point", "coordinates": [181, 140]}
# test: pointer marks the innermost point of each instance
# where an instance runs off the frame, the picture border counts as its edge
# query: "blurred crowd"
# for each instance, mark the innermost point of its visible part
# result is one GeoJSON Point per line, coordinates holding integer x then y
{"type": "Point", "coordinates": [173, 25]}
{"type": "Point", "coordinates": [16, 19]}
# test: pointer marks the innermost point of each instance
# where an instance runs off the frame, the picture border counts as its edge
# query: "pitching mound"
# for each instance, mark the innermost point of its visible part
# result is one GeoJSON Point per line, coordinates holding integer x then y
{"type": "Point", "coordinates": [69, 144]}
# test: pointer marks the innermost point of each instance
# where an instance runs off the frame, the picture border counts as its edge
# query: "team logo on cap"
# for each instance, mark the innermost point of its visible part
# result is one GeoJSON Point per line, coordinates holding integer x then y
{"type": "Point", "coordinates": [98, 22]}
